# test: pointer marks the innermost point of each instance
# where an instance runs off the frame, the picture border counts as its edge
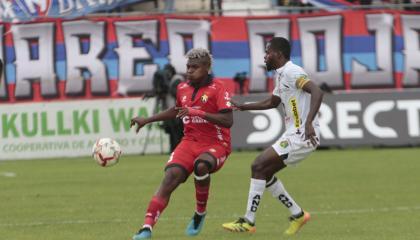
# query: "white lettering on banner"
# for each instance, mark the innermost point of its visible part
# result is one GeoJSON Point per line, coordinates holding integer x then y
{"type": "Point", "coordinates": [63, 10]}
{"type": "Point", "coordinates": [6, 9]}
{"type": "Point", "coordinates": [268, 124]}
{"type": "Point", "coordinates": [389, 122]}
{"type": "Point", "coordinates": [129, 55]}
{"type": "Point", "coordinates": [330, 26]}
{"type": "Point", "coordinates": [178, 30]}
{"type": "Point", "coordinates": [369, 119]}
{"type": "Point", "coordinates": [410, 29]}
{"type": "Point", "coordinates": [382, 26]}
{"type": "Point", "coordinates": [29, 67]}
{"type": "Point", "coordinates": [325, 118]}
{"type": "Point", "coordinates": [80, 61]}
{"type": "Point", "coordinates": [90, 47]}
{"type": "Point", "coordinates": [412, 108]}
{"type": "Point", "coordinates": [344, 119]}
{"type": "Point", "coordinates": [257, 31]}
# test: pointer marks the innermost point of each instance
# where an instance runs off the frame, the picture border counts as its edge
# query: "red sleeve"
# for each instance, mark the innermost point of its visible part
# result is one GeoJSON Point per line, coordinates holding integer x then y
{"type": "Point", "coordinates": [223, 99]}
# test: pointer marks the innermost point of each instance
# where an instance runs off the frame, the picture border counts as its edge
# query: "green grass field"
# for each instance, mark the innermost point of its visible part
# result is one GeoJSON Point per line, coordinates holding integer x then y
{"type": "Point", "coordinates": [352, 194]}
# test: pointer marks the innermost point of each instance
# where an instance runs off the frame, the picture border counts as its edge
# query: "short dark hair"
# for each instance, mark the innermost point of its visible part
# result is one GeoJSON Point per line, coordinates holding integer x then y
{"type": "Point", "coordinates": [282, 45]}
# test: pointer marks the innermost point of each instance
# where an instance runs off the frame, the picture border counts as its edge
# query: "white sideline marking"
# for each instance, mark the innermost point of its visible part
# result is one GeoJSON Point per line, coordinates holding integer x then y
{"type": "Point", "coordinates": [7, 174]}
{"type": "Point", "coordinates": [331, 212]}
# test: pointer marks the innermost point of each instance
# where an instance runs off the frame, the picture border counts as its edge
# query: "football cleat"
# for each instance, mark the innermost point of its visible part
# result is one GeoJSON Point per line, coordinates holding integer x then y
{"type": "Point", "coordinates": [143, 233]}
{"type": "Point", "coordinates": [240, 225]}
{"type": "Point", "coordinates": [195, 225]}
{"type": "Point", "coordinates": [296, 223]}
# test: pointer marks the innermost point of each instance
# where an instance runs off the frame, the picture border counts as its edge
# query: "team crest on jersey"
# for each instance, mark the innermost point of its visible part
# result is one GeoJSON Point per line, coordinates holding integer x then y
{"type": "Point", "coordinates": [204, 98]}
{"type": "Point", "coordinates": [284, 144]}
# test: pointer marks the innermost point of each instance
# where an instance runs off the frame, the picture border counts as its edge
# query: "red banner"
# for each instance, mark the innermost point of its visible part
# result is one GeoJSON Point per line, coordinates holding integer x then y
{"type": "Point", "coordinates": [117, 57]}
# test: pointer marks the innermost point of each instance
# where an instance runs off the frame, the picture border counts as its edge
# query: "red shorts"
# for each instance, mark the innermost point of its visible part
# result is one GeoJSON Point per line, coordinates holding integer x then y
{"type": "Point", "coordinates": [188, 151]}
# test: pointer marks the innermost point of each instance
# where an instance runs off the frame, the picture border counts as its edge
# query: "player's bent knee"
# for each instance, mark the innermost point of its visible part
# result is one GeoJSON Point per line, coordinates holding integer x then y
{"type": "Point", "coordinates": [201, 169]}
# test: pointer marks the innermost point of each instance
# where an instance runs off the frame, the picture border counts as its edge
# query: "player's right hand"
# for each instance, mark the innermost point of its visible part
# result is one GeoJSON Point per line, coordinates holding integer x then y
{"type": "Point", "coordinates": [235, 105]}
{"type": "Point", "coordinates": [139, 121]}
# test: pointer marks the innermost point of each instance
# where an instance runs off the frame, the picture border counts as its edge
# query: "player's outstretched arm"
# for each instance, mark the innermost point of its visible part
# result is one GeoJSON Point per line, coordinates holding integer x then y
{"type": "Point", "coordinates": [272, 102]}
{"type": "Point", "coordinates": [169, 113]}
{"type": "Point", "coordinates": [224, 119]}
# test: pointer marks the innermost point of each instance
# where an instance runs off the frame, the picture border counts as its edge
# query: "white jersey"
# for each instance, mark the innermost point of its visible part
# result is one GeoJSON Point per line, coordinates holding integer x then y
{"type": "Point", "coordinates": [296, 102]}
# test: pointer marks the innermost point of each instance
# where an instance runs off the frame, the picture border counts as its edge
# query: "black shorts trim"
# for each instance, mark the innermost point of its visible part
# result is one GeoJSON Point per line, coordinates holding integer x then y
{"type": "Point", "coordinates": [179, 166]}
{"type": "Point", "coordinates": [273, 180]}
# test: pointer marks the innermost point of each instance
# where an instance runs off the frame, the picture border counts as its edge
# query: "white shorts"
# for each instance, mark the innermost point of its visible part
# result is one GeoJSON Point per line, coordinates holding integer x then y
{"type": "Point", "coordinates": [294, 146]}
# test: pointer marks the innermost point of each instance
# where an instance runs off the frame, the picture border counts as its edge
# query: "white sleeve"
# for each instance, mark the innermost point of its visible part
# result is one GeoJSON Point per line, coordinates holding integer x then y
{"type": "Point", "coordinates": [296, 78]}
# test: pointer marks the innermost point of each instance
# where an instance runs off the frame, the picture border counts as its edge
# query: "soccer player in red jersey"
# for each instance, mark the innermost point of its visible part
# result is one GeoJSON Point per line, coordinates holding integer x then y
{"type": "Point", "coordinates": [205, 108]}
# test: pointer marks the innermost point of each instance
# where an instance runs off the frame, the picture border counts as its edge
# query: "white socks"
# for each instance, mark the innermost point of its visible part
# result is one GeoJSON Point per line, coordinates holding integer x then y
{"type": "Point", "coordinates": [275, 186]}
{"type": "Point", "coordinates": [278, 191]}
{"type": "Point", "coordinates": [256, 190]}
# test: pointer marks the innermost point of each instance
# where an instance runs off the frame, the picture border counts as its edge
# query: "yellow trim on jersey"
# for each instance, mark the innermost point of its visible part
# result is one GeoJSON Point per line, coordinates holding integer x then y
{"type": "Point", "coordinates": [295, 112]}
{"type": "Point", "coordinates": [301, 81]}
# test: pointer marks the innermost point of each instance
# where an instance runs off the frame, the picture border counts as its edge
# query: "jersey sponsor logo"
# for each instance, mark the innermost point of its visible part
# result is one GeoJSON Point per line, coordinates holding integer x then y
{"type": "Point", "coordinates": [204, 98]}
{"type": "Point", "coordinates": [184, 99]}
{"type": "Point", "coordinates": [296, 119]}
{"type": "Point", "coordinates": [194, 119]}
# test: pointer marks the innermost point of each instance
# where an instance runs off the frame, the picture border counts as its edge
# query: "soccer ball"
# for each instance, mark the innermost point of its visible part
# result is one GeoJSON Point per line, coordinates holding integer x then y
{"type": "Point", "coordinates": [106, 152]}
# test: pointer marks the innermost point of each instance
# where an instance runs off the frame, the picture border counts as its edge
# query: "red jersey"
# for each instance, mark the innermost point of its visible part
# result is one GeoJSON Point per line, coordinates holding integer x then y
{"type": "Point", "coordinates": [211, 98]}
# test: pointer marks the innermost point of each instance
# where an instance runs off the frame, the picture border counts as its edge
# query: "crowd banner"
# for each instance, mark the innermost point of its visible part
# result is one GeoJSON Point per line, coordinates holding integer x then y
{"type": "Point", "coordinates": [70, 128]}
{"type": "Point", "coordinates": [113, 57]}
{"type": "Point", "coordinates": [29, 10]}
{"type": "Point", "coordinates": [382, 118]}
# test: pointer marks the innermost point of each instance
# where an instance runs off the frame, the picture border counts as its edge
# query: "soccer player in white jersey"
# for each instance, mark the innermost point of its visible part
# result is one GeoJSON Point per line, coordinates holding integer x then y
{"type": "Point", "coordinates": [300, 99]}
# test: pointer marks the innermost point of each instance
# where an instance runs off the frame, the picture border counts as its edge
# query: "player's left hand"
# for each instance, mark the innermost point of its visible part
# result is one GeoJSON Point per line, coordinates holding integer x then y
{"type": "Point", "coordinates": [311, 135]}
{"type": "Point", "coordinates": [184, 111]}
{"type": "Point", "coordinates": [139, 121]}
